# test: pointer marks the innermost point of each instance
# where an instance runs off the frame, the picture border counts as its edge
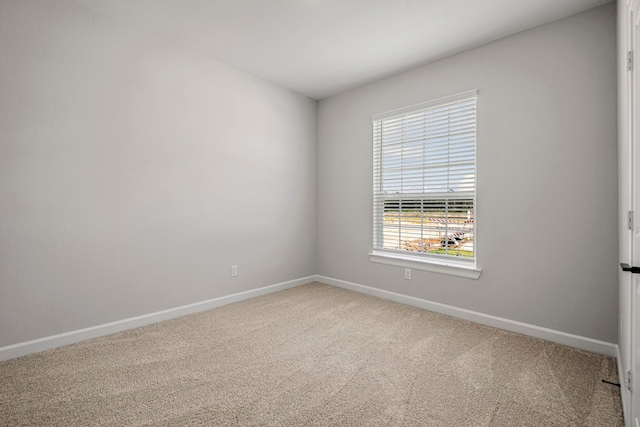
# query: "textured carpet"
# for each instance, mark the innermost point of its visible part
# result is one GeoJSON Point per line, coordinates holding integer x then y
{"type": "Point", "coordinates": [314, 355]}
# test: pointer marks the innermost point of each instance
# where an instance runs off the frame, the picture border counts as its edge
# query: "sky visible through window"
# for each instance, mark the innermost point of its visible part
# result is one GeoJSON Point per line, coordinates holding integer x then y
{"type": "Point", "coordinates": [426, 191]}
{"type": "Point", "coordinates": [438, 157]}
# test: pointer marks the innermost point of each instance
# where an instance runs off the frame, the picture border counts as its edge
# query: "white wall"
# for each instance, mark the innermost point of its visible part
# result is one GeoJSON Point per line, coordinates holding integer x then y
{"type": "Point", "coordinates": [547, 177]}
{"type": "Point", "coordinates": [133, 173]}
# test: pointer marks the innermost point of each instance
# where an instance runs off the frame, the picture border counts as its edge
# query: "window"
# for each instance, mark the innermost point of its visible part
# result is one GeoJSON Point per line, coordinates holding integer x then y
{"type": "Point", "coordinates": [424, 181]}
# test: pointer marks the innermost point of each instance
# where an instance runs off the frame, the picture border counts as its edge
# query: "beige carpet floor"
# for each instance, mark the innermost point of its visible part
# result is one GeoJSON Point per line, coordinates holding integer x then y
{"type": "Point", "coordinates": [314, 355]}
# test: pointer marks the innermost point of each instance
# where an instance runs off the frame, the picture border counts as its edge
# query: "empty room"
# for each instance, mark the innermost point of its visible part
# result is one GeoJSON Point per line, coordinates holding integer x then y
{"type": "Point", "coordinates": [319, 213]}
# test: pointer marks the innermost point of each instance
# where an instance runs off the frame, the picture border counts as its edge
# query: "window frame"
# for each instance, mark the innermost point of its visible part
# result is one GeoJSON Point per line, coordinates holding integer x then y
{"type": "Point", "coordinates": [451, 265]}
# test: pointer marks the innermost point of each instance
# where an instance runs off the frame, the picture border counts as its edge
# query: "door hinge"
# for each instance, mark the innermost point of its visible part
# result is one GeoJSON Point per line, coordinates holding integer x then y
{"type": "Point", "coordinates": [628, 375]}
{"type": "Point", "coordinates": [629, 60]}
{"type": "Point", "coordinates": [629, 220]}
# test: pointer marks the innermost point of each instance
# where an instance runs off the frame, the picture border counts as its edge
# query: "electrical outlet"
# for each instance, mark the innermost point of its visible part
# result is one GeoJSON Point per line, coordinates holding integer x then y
{"type": "Point", "coordinates": [407, 274]}
{"type": "Point", "coordinates": [234, 270]}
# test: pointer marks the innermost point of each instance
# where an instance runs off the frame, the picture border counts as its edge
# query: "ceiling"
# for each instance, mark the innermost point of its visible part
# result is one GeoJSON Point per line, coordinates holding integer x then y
{"type": "Point", "coordinates": [322, 47]}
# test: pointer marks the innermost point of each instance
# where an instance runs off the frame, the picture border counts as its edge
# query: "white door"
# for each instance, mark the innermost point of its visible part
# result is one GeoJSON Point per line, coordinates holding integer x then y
{"type": "Point", "coordinates": [633, 134]}
{"type": "Point", "coordinates": [629, 196]}
{"type": "Point", "coordinates": [633, 285]}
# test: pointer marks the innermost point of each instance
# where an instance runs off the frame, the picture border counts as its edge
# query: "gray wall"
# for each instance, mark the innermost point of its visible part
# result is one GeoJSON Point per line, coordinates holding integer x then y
{"type": "Point", "coordinates": [547, 177]}
{"type": "Point", "coordinates": [133, 173]}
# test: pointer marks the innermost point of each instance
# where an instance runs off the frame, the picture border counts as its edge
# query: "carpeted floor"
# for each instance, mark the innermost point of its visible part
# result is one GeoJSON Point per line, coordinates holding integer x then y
{"type": "Point", "coordinates": [314, 355]}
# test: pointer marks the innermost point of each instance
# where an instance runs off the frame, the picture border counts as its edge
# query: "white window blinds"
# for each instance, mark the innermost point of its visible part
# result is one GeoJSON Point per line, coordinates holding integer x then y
{"type": "Point", "coordinates": [424, 178]}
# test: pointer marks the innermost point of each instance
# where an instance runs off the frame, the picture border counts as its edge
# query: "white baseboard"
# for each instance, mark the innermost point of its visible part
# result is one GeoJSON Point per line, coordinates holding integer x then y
{"type": "Point", "coordinates": [41, 344]}
{"type": "Point", "coordinates": [584, 343]}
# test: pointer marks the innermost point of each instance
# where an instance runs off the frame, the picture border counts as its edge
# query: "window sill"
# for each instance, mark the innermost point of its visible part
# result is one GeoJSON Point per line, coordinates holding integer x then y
{"type": "Point", "coordinates": [450, 268]}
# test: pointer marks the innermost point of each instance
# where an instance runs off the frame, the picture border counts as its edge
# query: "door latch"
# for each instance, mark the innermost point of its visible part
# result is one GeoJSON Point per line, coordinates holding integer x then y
{"type": "Point", "coordinates": [627, 267]}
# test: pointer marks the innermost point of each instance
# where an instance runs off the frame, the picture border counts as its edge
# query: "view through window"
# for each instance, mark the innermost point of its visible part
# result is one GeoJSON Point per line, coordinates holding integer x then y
{"type": "Point", "coordinates": [424, 179]}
